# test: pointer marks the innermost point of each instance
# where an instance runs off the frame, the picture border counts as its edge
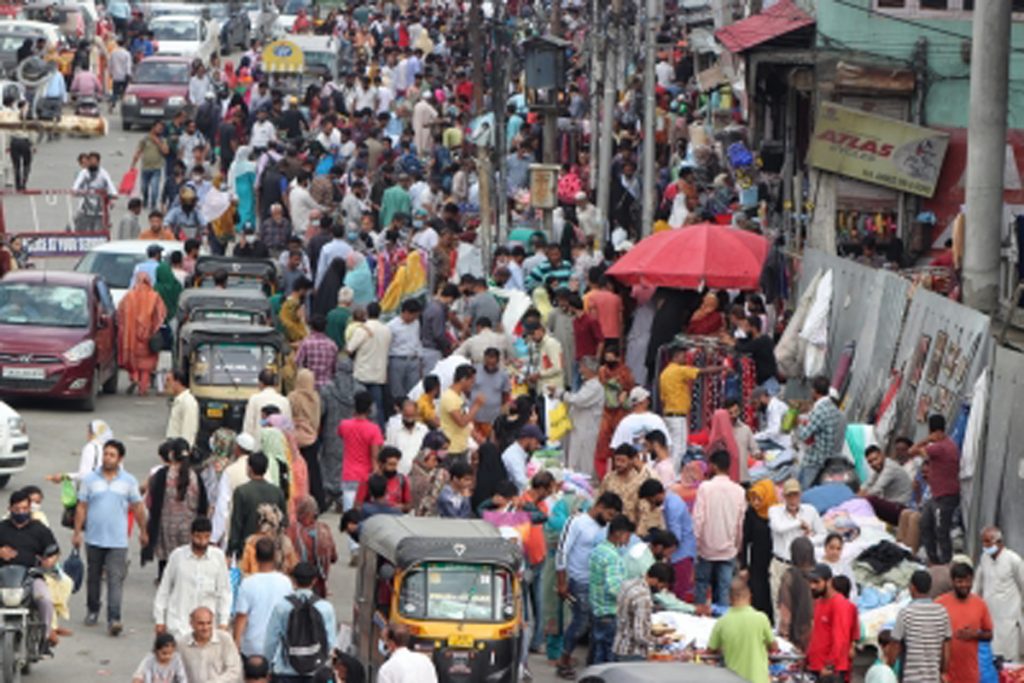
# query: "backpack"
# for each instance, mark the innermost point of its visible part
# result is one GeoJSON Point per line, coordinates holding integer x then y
{"type": "Point", "coordinates": [305, 640]}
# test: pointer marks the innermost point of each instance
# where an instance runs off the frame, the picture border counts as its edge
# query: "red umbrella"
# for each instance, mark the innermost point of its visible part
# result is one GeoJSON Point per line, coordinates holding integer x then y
{"type": "Point", "coordinates": [702, 255]}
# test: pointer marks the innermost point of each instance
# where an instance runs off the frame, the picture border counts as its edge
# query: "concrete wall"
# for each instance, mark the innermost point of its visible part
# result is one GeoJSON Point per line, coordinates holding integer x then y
{"type": "Point", "coordinates": [853, 28]}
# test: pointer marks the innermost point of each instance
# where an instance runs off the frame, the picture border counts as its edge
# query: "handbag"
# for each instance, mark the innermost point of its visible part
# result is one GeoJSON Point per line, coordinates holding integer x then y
{"type": "Point", "coordinates": [75, 569]}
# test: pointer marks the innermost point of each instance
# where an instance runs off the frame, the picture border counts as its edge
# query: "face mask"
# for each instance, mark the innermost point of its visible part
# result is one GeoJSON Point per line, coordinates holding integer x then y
{"type": "Point", "coordinates": [417, 224]}
{"type": "Point", "coordinates": [93, 169]}
{"type": "Point", "coordinates": [382, 648]}
{"type": "Point", "coordinates": [315, 223]}
{"type": "Point", "coordinates": [390, 475]}
{"type": "Point", "coordinates": [36, 507]}
{"type": "Point", "coordinates": [20, 517]}
{"type": "Point", "coordinates": [197, 179]}
{"type": "Point", "coordinates": [990, 550]}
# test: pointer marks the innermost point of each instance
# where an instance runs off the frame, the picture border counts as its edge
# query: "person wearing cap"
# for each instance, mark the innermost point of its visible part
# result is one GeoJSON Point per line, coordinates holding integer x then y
{"type": "Point", "coordinates": [788, 521]}
{"type": "Point", "coordinates": [233, 476]}
{"type": "Point", "coordinates": [196, 575]}
{"type": "Point", "coordinates": [743, 636]}
{"type": "Point", "coordinates": [516, 457]}
{"type": "Point", "coordinates": [632, 428]}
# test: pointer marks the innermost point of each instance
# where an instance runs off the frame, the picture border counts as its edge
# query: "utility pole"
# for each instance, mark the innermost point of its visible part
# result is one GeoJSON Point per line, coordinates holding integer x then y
{"type": "Point", "coordinates": [986, 153]}
{"type": "Point", "coordinates": [651, 16]}
{"type": "Point", "coordinates": [607, 118]}
{"type": "Point", "coordinates": [596, 76]}
{"type": "Point", "coordinates": [476, 39]}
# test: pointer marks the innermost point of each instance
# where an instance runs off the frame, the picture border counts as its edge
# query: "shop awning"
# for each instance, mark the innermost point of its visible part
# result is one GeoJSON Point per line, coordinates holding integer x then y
{"type": "Point", "coordinates": [781, 18]}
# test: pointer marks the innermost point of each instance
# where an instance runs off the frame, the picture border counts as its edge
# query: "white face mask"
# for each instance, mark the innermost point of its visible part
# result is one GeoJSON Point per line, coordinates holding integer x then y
{"type": "Point", "coordinates": [990, 550]}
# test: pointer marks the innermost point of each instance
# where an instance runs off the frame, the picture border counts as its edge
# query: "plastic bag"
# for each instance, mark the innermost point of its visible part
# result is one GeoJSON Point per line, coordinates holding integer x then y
{"type": "Point", "coordinates": [128, 181]}
{"type": "Point", "coordinates": [68, 493]}
{"type": "Point", "coordinates": [75, 569]}
{"type": "Point", "coordinates": [559, 423]}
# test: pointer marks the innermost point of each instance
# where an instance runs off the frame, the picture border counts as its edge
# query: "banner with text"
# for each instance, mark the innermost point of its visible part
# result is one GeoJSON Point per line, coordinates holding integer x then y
{"type": "Point", "coordinates": [877, 149]}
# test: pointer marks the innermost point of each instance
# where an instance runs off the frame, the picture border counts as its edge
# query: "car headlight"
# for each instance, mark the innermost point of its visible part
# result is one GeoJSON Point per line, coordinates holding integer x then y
{"type": "Point", "coordinates": [11, 597]}
{"type": "Point", "coordinates": [131, 99]}
{"type": "Point", "coordinates": [80, 351]}
{"type": "Point", "coordinates": [16, 426]}
{"type": "Point", "coordinates": [176, 101]}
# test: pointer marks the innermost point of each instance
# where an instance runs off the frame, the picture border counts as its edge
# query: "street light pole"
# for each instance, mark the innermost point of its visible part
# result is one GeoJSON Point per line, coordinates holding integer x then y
{"type": "Point", "coordinates": [650, 49]}
{"type": "Point", "coordinates": [607, 117]}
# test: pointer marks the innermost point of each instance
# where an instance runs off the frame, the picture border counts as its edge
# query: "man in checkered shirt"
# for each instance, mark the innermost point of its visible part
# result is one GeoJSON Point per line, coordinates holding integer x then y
{"type": "Point", "coordinates": [820, 433]}
{"type": "Point", "coordinates": [318, 352]}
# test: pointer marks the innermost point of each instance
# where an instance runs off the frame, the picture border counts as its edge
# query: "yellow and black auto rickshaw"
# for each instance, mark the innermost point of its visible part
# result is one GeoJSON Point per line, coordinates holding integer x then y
{"type": "Point", "coordinates": [231, 306]}
{"type": "Point", "coordinates": [223, 363]}
{"type": "Point", "coordinates": [454, 583]}
{"type": "Point", "coordinates": [242, 273]}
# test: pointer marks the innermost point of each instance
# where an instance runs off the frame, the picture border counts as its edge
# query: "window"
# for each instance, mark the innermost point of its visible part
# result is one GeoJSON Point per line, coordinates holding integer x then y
{"type": "Point", "coordinates": [892, 4]}
{"type": "Point", "coordinates": [935, 4]}
{"type": "Point", "coordinates": [44, 305]}
{"type": "Point", "coordinates": [457, 592]}
{"type": "Point", "coordinates": [234, 364]}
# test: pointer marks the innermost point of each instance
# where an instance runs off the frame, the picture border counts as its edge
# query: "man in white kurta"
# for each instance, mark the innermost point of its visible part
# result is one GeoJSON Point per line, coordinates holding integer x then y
{"type": "Point", "coordinates": [586, 407]}
{"type": "Point", "coordinates": [999, 579]}
{"type": "Point", "coordinates": [183, 421]}
{"type": "Point", "coordinates": [423, 118]}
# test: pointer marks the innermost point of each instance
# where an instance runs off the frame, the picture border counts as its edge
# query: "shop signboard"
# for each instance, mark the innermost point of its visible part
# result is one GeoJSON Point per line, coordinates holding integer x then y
{"type": "Point", "coordinates": [877, 149]}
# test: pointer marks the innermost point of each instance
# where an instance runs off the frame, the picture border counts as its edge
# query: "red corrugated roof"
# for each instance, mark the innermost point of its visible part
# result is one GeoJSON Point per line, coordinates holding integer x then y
{"type": "Point", "coordinates": [779, 19]}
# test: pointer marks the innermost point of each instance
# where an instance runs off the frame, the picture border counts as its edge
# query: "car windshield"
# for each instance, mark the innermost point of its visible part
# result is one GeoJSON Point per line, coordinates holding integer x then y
{"type": "Point", "coordinates": [116, 269]}
{"type": "Point", "coordinates": [175, 30]}
{"type": "Point", "coordinates": [293, 6]}
{"type": "Point", "coordinates": [236, 282]}
{"type": "Point", "coordinates": [234, 364]}
{"type": "Point", "coordinates": [44, 305]}
{"type": "Point", "coordinates": [448, 591]}
{"type": "Point", "coordinates": [11, 43]}
{"type": "Point", "coordinates": [160, 72]}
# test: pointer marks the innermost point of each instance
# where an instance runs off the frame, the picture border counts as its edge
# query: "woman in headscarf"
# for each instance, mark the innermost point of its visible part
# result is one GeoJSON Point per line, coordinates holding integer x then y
{"type": "Point", "coordinates": [313, 542]}
{"type": "Point", "coordinates": [490, 471]}
{"type": "Point", "coordinates": [242, 182]}
{"type": "Point", "coordinates": [325, 299]}
{"type": "Point", "coordinates": [271, 525]}
{"type": "Point", "coordinates": [796, 604]}
{"type": "Point", "coordinates": [96, 434]}
{"type": "Point", "coordinates": [690, 477]}
{"type": "Point", "coordinates": [25, 51]}
{"type": "Point", "coordinates": [506, 427]}
{"type": "Point", "coordinates": [360, 279]}
{"type": "Point", "coordinates": [756, 553]}
{"type": "Point", "coordinates": [722, 438]}
{"type": "Point", "coordinates": [139, 317]}
{"type": "Point", "coordinates": [277, 439]}
{"type": "Point", "coordinates": [617, 381]}
{"type": "Point", "coordinates": [174, 497]}
{"type": "Point", "coordinates": [305, 404]}
{"type": "Point", "coordinates": [169, 288]}
{"type": "Point", "coordinates": [426, 479]}
{"type": "Point", "coordinates": [706, 320]}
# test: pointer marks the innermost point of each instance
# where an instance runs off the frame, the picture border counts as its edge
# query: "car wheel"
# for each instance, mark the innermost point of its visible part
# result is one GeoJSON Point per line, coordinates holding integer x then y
{"type": "Point", "coordinates": [4, 479]}
{"type": "Point", "coordinates": [89, 402]}
{"type": "Point", "coordinates": [110, 386]}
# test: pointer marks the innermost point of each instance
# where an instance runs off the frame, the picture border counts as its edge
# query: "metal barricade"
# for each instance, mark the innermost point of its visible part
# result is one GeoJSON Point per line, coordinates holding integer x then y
{"type": "Point", "coordinates": [55, 222]}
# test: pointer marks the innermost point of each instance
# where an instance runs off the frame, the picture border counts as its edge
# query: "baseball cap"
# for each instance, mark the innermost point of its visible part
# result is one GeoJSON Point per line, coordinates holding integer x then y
{"type": "Point", "coordinates": [791, 486]}
{"type": "Point", "coordinates": [821, 572]}
{"type": "Point", "coordinates": [638, 394]}
{"type": "Point", "coordinates": [154, 250]}
{"type": "Point", "coordinates": [531, 431]}
{"type": "Point", "coordinates": [246, 443]}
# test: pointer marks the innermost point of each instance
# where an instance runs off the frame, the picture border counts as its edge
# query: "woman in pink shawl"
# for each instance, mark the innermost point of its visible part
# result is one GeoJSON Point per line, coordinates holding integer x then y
{"type": "Point", "coordinates": [722, 439]}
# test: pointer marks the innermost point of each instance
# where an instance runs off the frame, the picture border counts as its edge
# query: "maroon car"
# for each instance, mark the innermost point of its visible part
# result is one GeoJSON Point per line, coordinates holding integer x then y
{"type": "Point", "coordinates": [157, 91]}
{"type": "Point", "coordinates": [58, 336]}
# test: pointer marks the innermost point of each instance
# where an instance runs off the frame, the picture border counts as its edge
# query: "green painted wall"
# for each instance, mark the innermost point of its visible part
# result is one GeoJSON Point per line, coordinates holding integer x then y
{"type": "Point", "coordinates": [852, 28]}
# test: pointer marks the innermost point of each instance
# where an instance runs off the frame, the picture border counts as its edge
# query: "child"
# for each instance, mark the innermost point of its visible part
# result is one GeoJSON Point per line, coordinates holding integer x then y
{"type": "Point", "coordinates": [163, 664]}
{"type": "Point", "coordinates": [60, 586]}
{"type": "Point", "coordinates": [425, 404]}
{"type": "Point", "coordinates": [453, 501]}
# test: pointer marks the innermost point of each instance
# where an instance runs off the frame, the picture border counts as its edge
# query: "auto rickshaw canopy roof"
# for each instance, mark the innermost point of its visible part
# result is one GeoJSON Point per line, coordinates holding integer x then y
{"type": "Point", "coordinates": [658, 672]}
{"type": "Point", "coordinates": [240, 300]}
{"type": "Point", "coordinates": [405, 540]}
{"type": "Point", "coordinates": [245, 267]}
{"type": "Point", "coordinates": [193, 334]}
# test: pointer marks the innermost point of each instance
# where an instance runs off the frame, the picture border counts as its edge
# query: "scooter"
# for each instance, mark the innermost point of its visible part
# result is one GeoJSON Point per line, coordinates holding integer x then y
{"type": "Point", "coordinates": [22, 632]}
{"type": "Point", "coordinates": [87, 105]}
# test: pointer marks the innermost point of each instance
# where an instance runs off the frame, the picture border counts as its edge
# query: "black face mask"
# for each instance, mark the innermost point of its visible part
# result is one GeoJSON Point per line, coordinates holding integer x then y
{"type": "Point", "coordinates": [391, 475]}
{"type": "Point", "coordinates": [93, 169]}
{"type": "Point", "coordinates": [612, 363]}
{"type": "Point", "coordinates": [409, 424]}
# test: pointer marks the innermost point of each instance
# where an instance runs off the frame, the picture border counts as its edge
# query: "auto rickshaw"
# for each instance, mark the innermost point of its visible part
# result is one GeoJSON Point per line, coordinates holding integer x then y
{"type": "Point", "coordinates": [454, 583]}
{"type": "Point", "coordinates": [223, 363]}
{"type": "Point", "coordinates": [231, 306]}
{"type": "Point", "coordinates": [243, 273]}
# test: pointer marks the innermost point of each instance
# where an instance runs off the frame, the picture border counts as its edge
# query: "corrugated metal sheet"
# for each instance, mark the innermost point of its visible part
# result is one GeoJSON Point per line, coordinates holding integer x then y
{"type": "Point", "coordinates": [779, 19]}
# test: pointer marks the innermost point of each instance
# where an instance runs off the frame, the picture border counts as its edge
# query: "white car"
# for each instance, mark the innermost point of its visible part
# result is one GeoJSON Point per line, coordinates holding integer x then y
{"type": "Point", "coordinates": [116, 262]}
{"type": "Point", "coordinates": [185, 36]}
{"type": "Point", "coordinates": [13, 443]}
{"type": "Point", "coordinates": [286, 20]}
{"type": "Point", "coordinates": [39, 29]}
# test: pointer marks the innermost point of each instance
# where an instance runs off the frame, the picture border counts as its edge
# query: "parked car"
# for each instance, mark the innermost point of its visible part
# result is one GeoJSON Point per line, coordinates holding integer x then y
{"type": "Point", "coordinates": [158, 90]}
{"type": "Point", "coordinates": [13, 443]}
{"type": "Point", "coordinates": [116, 262]}
{"type": "Point", "coordinates": [58, 336]}
{"type": "Point", "coordinates": [36, 29]}
{"type": "Point", "coordinates": [185, 35]}
{"type": "Point", "coordinates": [10, 41]}
{"type": "Point", "coordinates": [235, 28]}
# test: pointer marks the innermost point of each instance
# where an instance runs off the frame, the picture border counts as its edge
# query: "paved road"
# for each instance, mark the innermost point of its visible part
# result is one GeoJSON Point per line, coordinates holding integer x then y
{"type": "Point", "coordinates": [57, 433]}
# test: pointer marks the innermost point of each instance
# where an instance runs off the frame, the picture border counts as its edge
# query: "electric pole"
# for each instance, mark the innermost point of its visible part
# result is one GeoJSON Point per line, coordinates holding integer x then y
{"type": "Point", "coordinates": [986, 153]}
{"type": "Point", "coordinates": [607, 118]}
{"type": "Point", "coordinates": [476, 39]}
{"type": "Point", "coordinates": [650, 55]}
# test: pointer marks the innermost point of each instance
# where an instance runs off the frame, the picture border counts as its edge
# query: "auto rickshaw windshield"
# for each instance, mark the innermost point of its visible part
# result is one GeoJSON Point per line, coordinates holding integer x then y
{"type": "Point", "coordinates": [446, 591]}
{"type": "Point", "coordinates": [231, 364]}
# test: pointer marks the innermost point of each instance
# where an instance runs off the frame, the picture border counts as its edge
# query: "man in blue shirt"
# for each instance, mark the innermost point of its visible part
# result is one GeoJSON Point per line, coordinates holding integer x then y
{"type": "Point", "coordinates": [580, 536]}
{"type": "Point", "coordinates": [273, 649]}
{"type": "Point", "coordinates": [517, 455]}
{"type": "Point", "coordinates": [679, 522]}
{"type": "Point", "coordinates": [104, 498]}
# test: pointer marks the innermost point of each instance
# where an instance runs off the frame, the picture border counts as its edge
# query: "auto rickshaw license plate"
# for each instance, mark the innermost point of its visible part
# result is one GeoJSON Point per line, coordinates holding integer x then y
{"type": "Point", "coordinates": [461, 640]}
{"type": "Point", "coordinates": [215, 412]}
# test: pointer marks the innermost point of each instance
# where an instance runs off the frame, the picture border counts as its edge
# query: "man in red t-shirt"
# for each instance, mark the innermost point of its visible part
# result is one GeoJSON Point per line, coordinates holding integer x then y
{"type": "Point", "coordinates": [828, 654]}
{"type": "Point", "coordinates": [851, 620]}
{"type": "Point", "coordinates": [943, 460]}
{"type": "Point", "coordinates": [970, 621]}
{"type": "Point", "coordinates": [604, 304]}
{"type": "Point", "coordinates": [586, 331]}
{"type": "Point", "coordinates": [361, 439]}
{"type": "Point", "coordinates": [397, 493]}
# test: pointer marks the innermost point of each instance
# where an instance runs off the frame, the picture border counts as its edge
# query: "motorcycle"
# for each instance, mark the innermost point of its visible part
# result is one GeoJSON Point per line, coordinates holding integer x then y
{"type": "Point", "coordinates": [87, 106]}
{"type": "Point", "coordinates": [22, 632]}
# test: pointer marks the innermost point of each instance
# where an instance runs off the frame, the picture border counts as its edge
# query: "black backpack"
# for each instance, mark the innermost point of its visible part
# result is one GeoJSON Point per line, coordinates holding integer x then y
{"type": "Point", "coordinates": [305, 640]}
